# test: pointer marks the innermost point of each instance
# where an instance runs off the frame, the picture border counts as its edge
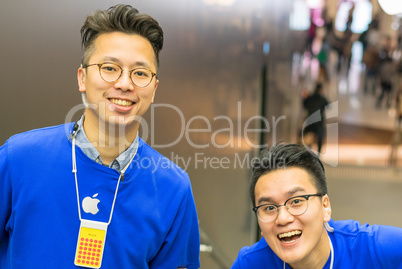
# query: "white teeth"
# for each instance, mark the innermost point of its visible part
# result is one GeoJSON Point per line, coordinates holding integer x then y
{"type": "Point", "coordinates": [291, 241]}
{"type": "Point", "coordinates": [289, 234]}
{"type": "Point", "coordinates": [121, 102]}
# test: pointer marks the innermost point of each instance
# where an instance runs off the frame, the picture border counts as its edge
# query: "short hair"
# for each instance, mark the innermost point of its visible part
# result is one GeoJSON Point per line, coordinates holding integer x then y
{"type": "Point", "coordinates": [318, 88]}
{"type": "Point", "coordinates": [120, 18]}
{"type": "Point", "coordinates": [283, 156]}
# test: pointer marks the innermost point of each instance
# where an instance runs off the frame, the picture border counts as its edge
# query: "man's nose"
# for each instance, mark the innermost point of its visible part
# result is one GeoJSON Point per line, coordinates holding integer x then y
{"type": "Point", "coordinates": [124, 82]}
{"type": "Point", "coordinates": [284, 216]}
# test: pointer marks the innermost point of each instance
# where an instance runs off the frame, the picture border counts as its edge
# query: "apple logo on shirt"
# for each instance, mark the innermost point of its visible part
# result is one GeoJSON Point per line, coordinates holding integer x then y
{"type": "Point", "coordinates": [90, 204]}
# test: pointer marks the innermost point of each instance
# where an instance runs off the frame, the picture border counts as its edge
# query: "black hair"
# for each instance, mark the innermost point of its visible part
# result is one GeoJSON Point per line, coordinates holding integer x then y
{"type": "Point", "coordinates": [283, 156]}
{"type": "Point", "coordinates": [120, 18]}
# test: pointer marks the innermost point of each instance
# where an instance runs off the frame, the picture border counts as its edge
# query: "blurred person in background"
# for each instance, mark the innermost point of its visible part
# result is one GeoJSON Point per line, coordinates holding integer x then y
{"type": "Point", "coordinates": [314, 130]}
{"type": "Point", "coordinates": [398, 106]}
{"type": "Point", "coordinates": [371, 58]}
{"type": "Point", "coordinates": [387, 72]}
{"type": "Point", "coordinates": [371, 61]}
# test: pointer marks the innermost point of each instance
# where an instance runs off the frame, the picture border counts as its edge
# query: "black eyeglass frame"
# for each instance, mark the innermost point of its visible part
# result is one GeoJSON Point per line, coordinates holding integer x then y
{"type": "Point", "coordinates": [122, 70]}
{"type": "Point", "coordinates": [307, 196]}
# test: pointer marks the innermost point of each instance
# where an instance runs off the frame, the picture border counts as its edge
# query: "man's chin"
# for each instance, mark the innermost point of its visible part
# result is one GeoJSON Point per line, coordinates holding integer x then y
{"type": "Point", "coordinates": [124, 120]}
{"type": "Point", "coordinates": [291, 257]}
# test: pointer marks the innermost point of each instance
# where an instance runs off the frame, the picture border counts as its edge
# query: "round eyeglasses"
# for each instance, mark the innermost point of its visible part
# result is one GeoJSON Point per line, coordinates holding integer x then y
{"type": "Point", "coordinates": [296, 206]}
{"type": "Point", "coordinates": [111, 72]}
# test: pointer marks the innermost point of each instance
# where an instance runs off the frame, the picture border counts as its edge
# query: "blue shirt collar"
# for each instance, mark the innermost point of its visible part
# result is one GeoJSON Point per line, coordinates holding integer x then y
{"type": "Point", "coordinates": [118, 164]}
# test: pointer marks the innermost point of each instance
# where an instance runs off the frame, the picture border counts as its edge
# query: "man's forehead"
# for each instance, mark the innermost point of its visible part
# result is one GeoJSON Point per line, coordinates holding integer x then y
{"type": "Point", "coordinates": [107, 48]}
{"type": "Point", "coordinates": [283, 184]}
{"type": "Point", "coordinates": [291, 175]}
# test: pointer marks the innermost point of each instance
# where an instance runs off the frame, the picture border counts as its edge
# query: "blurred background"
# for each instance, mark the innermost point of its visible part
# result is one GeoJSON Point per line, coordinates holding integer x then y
{"type": "Point", "coordinates": [233, 78]}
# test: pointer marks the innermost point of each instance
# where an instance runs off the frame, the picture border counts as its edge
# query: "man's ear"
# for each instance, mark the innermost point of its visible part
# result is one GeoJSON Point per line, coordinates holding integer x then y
{"type": "Point", "coordinates": [81, 79]}
{"type": "Point", "coordinates": [153, 94]}
{"type": "Point", "coordinates": [326, 208]}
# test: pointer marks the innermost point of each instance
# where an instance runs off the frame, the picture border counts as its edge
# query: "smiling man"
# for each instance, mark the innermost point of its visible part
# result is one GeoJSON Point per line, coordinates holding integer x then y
{"type": "Point", "coordinates": [91, 193]}
{"type": "Point", "coordinates": [288, 190]}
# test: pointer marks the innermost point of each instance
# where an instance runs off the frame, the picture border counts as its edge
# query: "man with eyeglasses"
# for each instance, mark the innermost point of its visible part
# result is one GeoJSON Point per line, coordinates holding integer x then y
{"type": "Point", "coordinates": [288, 190]}
{"type": "Point", "coordinates": [92, 193]}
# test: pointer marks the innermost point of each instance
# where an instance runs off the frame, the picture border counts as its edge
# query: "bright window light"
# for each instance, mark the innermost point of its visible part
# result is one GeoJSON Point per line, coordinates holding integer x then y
{"type": "Point", "coordinates": [342, 16]}
{"type": "Point", "coordinates": [299, 19]}
{"type": "Point", "coordinates": [314, 3]}
{"type": "Point", "coordinates": [361, 16]}
{"type": "Point", "coordinates": [226, 3]}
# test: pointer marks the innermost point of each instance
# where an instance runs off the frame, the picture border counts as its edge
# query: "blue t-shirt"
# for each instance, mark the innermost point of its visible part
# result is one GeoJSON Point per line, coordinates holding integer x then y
{"type": "Point", "coordinates": [154, 223]}
{"type": "Point", "coordinates": [355, 246]}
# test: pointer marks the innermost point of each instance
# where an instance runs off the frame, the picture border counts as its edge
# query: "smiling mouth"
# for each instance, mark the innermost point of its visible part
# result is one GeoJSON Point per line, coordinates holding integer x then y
{"type": "Point", "coordinates": [290, 237]}
{"type": "Point", "coordinates": [121, 102]}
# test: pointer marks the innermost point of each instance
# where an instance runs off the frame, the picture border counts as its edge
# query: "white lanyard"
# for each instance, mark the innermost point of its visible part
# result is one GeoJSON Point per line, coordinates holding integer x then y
{"type": "Point", "coordinates": [332, 255]}
{"type": "Point", "coordinates": [76, 182]}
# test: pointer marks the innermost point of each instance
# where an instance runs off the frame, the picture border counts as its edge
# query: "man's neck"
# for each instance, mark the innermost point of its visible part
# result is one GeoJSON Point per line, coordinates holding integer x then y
{"type": "Point", "coordinates": [110, 141]}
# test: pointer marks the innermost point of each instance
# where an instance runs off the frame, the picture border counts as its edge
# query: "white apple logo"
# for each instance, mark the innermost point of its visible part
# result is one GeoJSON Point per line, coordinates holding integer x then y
{"type": "Point", "coordinates": [90, 205]}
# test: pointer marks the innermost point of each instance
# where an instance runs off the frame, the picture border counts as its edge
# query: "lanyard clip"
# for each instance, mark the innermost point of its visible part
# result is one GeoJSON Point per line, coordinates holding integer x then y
{"type": "Point", "coordinates": [74, 131]}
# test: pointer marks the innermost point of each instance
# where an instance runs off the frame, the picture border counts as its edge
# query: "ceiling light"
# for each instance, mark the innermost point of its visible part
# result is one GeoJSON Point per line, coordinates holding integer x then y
{"type": "Point", "coordinates": [225, 3]}
{"type": "Point", "coordinates": [391, 7]}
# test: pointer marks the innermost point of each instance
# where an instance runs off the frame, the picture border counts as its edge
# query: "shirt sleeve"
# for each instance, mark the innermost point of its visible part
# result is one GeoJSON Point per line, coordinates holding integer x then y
{"type": "Point", "coordinates": [5, 191]}
{"type": "Point", "coordinates": [236, 264]}
{"type": "Point", "coordinates": [181, 247]}
{"type": "Point", "coordinates": [243, 260]}
{"type": "Point", "coordinates": [387, 246]}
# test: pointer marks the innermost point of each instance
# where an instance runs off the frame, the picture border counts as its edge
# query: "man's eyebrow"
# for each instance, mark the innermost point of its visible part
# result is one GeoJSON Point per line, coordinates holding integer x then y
{"type": "Point", "coordinates": [115, 60]}
{"type": "Point", "coordinates": [264, 199]}
{"type": "Point", "coordinates": [290, 193]}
